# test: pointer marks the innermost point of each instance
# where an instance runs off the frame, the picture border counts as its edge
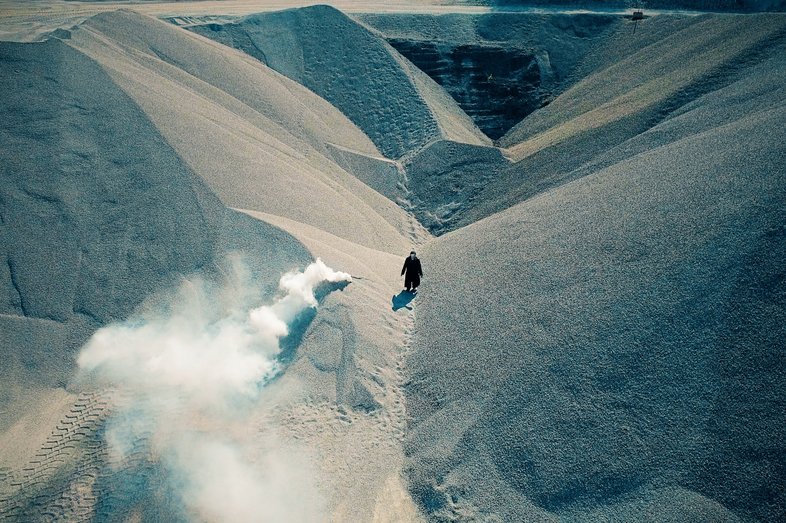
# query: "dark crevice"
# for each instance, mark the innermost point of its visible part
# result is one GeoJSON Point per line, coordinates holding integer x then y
{"type": "Point", "coordinates": [496, 86]}
{"type": "Point", "coordinates": [299, 326]}
{"type": "Point", "coordinates": [15, 284]}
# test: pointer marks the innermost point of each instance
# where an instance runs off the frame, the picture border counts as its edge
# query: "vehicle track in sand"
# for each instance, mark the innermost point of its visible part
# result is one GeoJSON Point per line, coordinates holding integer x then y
{"type": "Point", "coordinates": [57, 482]}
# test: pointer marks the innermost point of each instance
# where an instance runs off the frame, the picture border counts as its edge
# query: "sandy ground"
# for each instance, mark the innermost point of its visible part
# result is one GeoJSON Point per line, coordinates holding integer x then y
{"type": "Point", "coordinates": [637, 302]}
{"type": "Point", "coordinates": [362, 373]}
{"type": "Point", "coordinates": [243, 136]}
{"type": "Point", "coordinates": [599, 342]}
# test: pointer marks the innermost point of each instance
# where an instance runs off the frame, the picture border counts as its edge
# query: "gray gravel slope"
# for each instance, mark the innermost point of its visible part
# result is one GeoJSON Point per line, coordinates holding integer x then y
{"type": "Point", "coordinates": [615, 343]}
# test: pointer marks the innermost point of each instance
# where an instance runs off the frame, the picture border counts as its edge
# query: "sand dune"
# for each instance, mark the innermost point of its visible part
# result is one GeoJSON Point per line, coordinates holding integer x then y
{"type": "Point", "coordinates": [398, 107]}
{"type": "Point", "coordinates": [638, 303]}
{"type": "Point", "coordinates": [629, 85]}
{"type": "Point", "coordinates": [598, 334]}
{"type": "Point", "coordinates": [103, 210]}
{"type": "Point", "coordinates": [99, 214]}
{"type": "Point", "coordinates": [127, 142]}
{"type": "Point", "coordinates": [240, 148]}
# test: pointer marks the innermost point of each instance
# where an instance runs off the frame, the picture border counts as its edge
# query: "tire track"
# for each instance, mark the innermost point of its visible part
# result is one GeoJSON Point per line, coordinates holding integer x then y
{"type": "Point", "coordinates": [57, 482]}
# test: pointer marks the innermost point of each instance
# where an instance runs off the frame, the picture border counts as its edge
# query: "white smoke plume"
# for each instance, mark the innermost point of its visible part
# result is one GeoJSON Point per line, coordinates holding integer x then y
{"type": "Point", "coordinates": [192, 375]}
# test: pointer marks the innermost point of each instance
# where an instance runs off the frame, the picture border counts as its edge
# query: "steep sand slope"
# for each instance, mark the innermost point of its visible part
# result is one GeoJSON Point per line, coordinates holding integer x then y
{"type": "Point", "coordinates": [619, 84]}
{"type": "Point", "coordinates": [97, 210]}
{"type": "Point", "coordinates": [122, 145]}
{"type": "Point", "coordinates": [499, 67]}
{"type": "Point", "coordinates": [647, 78]}
{"type": "Point", "coordinates": [98, 213]}
{"type": "Point", "coordinates": [258, 139]}
{"type": "Point", "coordinates": [398, 107]}
{"type": "Point", "coordinates": [632, 83]}
{"type": "Point", "coordinates": [613, 85]}
{"type": "Point", "coordinates": [611, 349]}
{"type": "Point", "coordinates": [443, 181]}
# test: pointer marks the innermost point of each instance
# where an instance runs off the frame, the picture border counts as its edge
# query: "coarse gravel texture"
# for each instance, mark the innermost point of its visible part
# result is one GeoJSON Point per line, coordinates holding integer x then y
{"type": "Point", "coordinates": [400, 109]}
{"type": "Point", "coordinates": [614, 345]}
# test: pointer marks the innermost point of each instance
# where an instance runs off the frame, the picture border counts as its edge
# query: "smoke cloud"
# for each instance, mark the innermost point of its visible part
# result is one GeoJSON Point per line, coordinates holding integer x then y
{"type": "Point", "coordinates": [191, 373]}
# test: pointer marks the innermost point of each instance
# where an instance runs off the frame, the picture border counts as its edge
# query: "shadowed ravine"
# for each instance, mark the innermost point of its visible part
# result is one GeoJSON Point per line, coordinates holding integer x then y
{"type": "Point", "coordinates": [497, 87]}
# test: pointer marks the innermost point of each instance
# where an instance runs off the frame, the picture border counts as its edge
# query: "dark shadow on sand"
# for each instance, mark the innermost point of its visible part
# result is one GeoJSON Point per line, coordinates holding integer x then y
{"type": "Point", "coordinates": [402, 299]}
{"type": "Point", "coordinates": [298, 328]}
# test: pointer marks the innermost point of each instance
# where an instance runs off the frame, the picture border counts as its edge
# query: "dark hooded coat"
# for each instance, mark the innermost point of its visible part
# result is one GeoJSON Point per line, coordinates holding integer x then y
{"type": "Point", "coordinates": [413, 272]}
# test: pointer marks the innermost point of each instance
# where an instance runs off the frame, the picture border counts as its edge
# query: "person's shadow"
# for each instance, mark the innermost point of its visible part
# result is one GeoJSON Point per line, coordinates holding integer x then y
{"type": "Point", "coordinates": [402, 299]}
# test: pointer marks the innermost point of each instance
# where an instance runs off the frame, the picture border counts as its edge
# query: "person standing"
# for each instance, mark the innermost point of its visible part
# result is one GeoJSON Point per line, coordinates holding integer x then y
{"type": "Point", "coordinates": [413, 272]}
